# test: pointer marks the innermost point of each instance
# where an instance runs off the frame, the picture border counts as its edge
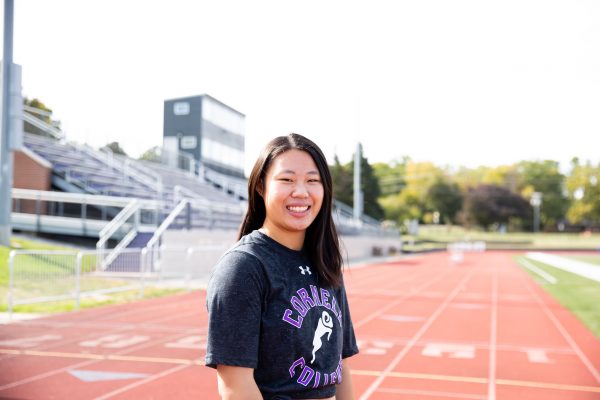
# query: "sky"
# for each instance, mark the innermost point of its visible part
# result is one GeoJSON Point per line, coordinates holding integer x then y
{"type": "Point", "coordinates": [457, 83]}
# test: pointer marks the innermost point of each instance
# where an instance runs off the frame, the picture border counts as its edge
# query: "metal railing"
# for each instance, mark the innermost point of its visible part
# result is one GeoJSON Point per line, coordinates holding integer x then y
{"type": "Point", "coordinates": [37, 276]}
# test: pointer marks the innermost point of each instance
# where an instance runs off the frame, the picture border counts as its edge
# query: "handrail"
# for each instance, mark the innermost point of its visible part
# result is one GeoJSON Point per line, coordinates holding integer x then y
{"type": "Point", "coordinates": [117, 222]}
{"type": "Point", "coordinates": [180, 191]}
{"type": "Point", "coordinates": [105, 262]}
{"type": "Point", "coordinates": [98, 200]}
{"type": "Point", "coordinates": [38, 123]}
{"type": "Point", "coordinates": [165, 224]}
{"type": "Point", "coordinates": [128, 167]}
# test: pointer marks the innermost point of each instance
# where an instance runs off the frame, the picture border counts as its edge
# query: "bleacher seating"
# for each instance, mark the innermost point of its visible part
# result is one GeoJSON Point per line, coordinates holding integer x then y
{"type": "Point", "coordinates": [85, 169]}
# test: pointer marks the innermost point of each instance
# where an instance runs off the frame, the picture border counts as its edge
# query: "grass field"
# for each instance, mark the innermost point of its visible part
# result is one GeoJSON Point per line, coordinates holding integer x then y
{"type": "Point", "coordinates": [438, 236]}
{"type": "Point", "coordinates": [578, 294]}
{"type": "Point", "coordinates": [50, 276]}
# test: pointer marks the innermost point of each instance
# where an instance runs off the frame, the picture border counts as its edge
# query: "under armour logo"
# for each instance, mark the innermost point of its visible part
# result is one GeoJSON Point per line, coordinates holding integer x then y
{"type": "Point", "coordinates": [304, 270]}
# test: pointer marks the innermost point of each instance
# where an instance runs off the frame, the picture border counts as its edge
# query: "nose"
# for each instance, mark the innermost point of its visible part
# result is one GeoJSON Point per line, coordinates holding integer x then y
{"type": "Point", "coordinates": [300, 191]}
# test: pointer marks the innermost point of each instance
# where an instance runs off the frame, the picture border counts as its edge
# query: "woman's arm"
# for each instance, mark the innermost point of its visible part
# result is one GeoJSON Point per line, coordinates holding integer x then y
{"type": "Point", "coordinates": [345, 390]}
{"type": "Point", "coordinates": [237, 383]}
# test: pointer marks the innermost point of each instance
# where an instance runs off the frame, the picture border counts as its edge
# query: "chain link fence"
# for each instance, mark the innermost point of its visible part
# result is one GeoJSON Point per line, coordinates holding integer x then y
{"type": "Point", "coordinates": [37, 276]}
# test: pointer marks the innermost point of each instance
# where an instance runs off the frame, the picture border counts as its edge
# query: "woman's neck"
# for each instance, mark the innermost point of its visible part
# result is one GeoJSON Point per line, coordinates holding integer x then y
{"type": "Point", "coordinates": [291, 240]}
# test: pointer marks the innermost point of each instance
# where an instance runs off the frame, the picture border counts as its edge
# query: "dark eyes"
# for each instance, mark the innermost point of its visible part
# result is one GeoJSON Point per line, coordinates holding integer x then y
{"type": "Point", "coordinates": [291, 180]}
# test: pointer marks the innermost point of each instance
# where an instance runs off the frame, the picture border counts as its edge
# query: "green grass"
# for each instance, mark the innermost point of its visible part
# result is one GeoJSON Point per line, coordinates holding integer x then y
{"type": "Point", "coordinates": [93, 301]}
{"type": "Point", "coordinates": [576, 293]}
{"type": "Point", "coordinates": [48, 276]}
{"type": "Point", "coordinates": [588, 258]}
{"type": "Point", "coordinates": [438, 236]}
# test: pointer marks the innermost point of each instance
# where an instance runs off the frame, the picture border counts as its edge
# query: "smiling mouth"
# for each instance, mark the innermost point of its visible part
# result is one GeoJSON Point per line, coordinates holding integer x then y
{"type": "Point", "coordinates": [298, 208]}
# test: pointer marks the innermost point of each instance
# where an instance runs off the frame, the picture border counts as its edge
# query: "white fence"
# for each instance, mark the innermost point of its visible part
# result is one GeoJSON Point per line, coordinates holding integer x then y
{"type": "Point", "coordinates": [49, 276]}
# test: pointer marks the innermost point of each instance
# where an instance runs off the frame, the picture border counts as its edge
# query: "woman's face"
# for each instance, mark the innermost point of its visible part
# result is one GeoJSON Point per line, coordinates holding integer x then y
{"type": "Point", "coordinates": [293, 193]}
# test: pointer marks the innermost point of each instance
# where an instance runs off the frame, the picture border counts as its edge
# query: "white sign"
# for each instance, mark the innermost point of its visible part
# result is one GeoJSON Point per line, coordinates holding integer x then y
{"type": "Point", "coordinates": [189, 142]}
{"type": "Point", "coordinates": [181, 108]}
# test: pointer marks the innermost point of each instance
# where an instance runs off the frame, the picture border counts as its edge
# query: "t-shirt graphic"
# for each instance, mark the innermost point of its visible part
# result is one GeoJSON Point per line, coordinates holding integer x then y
{"type": "Point", "coordinates": [270, 311]}
{"type": "Point", "coordinates": [325, 326]}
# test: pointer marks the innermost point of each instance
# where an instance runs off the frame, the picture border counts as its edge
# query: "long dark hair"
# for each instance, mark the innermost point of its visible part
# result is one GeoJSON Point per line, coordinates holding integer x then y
{"type": "Point", "coordinates": [321, 238]}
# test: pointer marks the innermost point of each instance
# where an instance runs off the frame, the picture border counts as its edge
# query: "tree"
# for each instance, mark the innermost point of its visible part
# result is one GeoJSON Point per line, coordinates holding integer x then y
{"type": "Point", "coordinates": [115, 147]}
{"type": "Point", "coordinates": [369, 185]}
{"type": "Point", "coordinates": [45, 116]}
{"type": "Point", "coordinates": [152, 154]}
{"type": "Point", "coordinates": [486, 205]}
{"type": "Point", "coordinates": [342, 182]}
{"type": "Point", "coordinates": [343, 185]}
{"type": "Point", "coordinates": [445, 198]}
{"type": "Point", "coordinates": [583, 187]}
{"type": "Point", "coordinates": [391, 177]}
{"type": "Point", "coordinates": [545, 177]}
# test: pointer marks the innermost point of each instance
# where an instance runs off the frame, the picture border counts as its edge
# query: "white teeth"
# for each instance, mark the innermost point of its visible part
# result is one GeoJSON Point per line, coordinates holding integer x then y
{"type": "Point", "coordinates": [298, 209]}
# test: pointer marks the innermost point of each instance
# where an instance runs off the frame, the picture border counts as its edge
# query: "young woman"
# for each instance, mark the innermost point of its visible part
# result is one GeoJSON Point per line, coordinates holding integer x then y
{"type": "Point", "coordinates": [279, 325]}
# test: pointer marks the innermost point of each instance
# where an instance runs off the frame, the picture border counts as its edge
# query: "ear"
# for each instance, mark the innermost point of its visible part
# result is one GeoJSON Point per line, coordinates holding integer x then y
{"type": "Point", "coordinates": [259, 189]}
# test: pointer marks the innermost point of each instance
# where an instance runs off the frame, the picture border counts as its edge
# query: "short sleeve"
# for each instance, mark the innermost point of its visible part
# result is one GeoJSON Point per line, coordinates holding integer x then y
{"type": "Point", "coordinates": [234, 302]}
{"type": "Point", "coordinates": [350, 346]}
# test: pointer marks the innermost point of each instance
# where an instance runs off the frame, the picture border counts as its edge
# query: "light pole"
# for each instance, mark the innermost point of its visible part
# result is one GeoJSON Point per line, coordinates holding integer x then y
{"type": "Point", "coordinates": [536, 202]}
{"type": "Point", "coordinates": [5, 153]}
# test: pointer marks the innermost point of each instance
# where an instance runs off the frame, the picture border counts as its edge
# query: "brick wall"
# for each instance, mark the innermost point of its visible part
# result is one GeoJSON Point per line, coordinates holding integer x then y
{"type": "Point", "coordinates": [31, 172]}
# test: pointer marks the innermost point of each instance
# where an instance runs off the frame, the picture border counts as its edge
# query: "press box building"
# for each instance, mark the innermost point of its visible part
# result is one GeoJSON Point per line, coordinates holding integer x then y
{"type": "Point", "coordinates": [209, 131]}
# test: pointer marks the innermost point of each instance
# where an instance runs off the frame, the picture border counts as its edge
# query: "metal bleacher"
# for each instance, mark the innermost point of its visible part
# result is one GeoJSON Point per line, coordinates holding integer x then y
{"type": "Point", "coordinates": [81, 169]}
{"type": "Point", "coordinates": [152, 194]}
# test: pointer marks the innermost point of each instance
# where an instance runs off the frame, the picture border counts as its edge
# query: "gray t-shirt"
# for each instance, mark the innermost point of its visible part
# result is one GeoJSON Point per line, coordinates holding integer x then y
{"type": "Point", "coordinates": [268, 311]}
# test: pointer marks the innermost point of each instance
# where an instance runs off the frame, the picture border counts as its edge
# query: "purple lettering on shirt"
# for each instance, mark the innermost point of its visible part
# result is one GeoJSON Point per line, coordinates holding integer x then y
{"type": "Point", "coordinates": [298, 363]}
{"type": "Point", "coordinates": [317, 379]}
{"type": "Point", "coordinates": [333, 378]}
{"type": "Point", "coordinates": [326, 379]}
{"type": "Point", "coordinates": [308, 302]}
{"type": "Point", "coordinates": [306, 375]}
{"type": "Point", "coordinates": [338, 371]}
{"type": "Point", "coordinates": [287, 318]}
{"type": "Point", "coordinates": [336, 309]}
{"type": "Point", "coordinates": [298, 306]}
{"type": "Point", "coordinates": [315, 294]}
{"type": "Point", "coordinates": [325, 299]}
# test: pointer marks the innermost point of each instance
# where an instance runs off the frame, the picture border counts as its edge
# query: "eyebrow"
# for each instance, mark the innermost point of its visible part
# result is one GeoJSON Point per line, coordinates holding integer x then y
{"type": "Point", "coordinates": [289, 171]}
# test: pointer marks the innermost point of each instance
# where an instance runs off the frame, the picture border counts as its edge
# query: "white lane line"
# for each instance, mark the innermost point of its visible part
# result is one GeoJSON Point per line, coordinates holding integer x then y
{"type": "Point", "coordinates": [371, 389]}
{"type": "Point", "coordinates": [431, 393]}
{"type": "Point", "coordinates": [142, 382]}
{"type": "Point", "coordinates": [580, 268]}
{"type": "Point", "coordinates": [549, 278]}
{"type": "Point", "coordinates": [409, 293]}
{"type": "Point", "coordinates": [89, 362]}
{"type": "Point", "coordinates": [565, 334]}
{"type": "Point", "coordinates": [493, 337]}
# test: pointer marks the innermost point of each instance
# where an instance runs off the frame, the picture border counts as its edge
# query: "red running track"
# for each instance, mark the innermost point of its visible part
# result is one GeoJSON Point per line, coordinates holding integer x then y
{"type": "Point", "coordinates": [428, 328]}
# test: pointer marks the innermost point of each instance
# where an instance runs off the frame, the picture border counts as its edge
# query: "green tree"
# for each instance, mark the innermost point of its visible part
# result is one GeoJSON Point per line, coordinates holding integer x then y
{"type": "Point", "coordinates": [342, 182]}
{"type": "Point", "coordinates": [583, 188]}
{"type": "Point", "coordinates": [369, 185]}
{"type": "Point", "coordinates": [445, 198]}
{"type": "Point", "coordinates": [152, 154]}
{"type": "Point", "coordinates": [343, 185]}
{"type": "Point", "coordinates": [45, 116]}
{"type": "Point", "coordinates": [115, 147]}
{"type": "Point", "coordinates": [545, 177]}
{"type": "Point", "coordinates": [486, 205]}
{"type": "Point", "coordinates": [391, 177]}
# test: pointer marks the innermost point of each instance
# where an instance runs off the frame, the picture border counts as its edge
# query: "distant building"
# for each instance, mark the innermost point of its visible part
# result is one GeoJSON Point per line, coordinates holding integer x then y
{"type": "Point", "coordinates": [208, 131]}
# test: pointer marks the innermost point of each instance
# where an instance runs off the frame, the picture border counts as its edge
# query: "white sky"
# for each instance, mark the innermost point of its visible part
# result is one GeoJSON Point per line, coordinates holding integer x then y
{"type": "Point", "coordinates": [452, 82]}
